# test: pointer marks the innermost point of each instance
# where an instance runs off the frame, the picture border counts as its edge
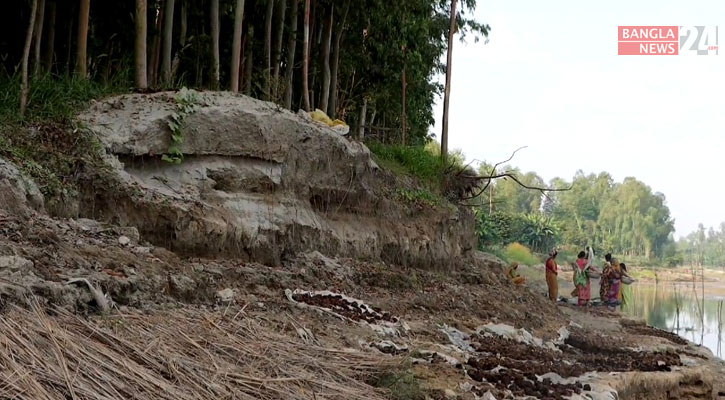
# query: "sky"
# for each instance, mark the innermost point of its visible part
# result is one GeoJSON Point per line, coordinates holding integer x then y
{"type": "Point", "coordinates": [550, 78]}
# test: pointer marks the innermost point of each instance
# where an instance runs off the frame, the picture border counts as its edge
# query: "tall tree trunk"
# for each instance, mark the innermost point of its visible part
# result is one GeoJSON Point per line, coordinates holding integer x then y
{"type": "Point", "coordinates": [69, 46]}
{"type": "Point", "coordinates": [277, 58]}
{"type": "Point", "coordinates": [38, 40]}
{"type": "Point", "coordinates": [268, 50]}
{"type": "Point", "coordinates": [363, 114]}
{"type": "Point", "coordinates": [215, 42]}
{"type": "Point", "coordinates": [110, 45]}
{"type": "Point", "coordinates": [236, 45]}
{"type": "Point", "coordinates": [168, 36]}
{"type": "Point", "coordinates": [198, 79]}
{"type": "Point", "coordinates": [156, 54]}
{"type": "Point", "coordinates": [24, 87]}
{"type": "Point", "coordinates": [183, 23]}
{"type": "Point", "coordinates": [314, 42]}
{"type": "Point", "coordinates": [248, 61]}
{"type": "Point", "coordinates": [140, 45]}
{"type": "Point", "coordinates": [50, 40]}
{"type": "Point", "coordinates": [447, 93]}
{"type": "Point", "coordinates": [153, 54]}
{"type": "Point", "coordinates": [326, 39]}
{"type": "Point", "coordinates": [82, 56]}
{"type": "Point", "coordinates": [404, 116]}
{"type": "Point", "coordinates": [306, 56]}
{"type": "Point", "coordinates": [182, 39]}
{"type": "Point", "coordinates": [291, 47]}
{"type": "Point", "coordinates": [332, 107]}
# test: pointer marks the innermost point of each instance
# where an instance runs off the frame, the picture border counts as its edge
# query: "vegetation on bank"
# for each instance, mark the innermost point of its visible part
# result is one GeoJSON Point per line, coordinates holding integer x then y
{"type": "Point", "coordinates": [703, 247]}
{"type": "Point", "coordinates": [47, 145]}
{"type": "Point", "coordinates": [625, 218]}
{"type": "Point", "coordinates": [54, 99]}
{"type": "Point", "coordinates": [516, 252]}
{"type": "Point", "coordinates": [414, 161]}
{"type": "Point", "coordinates": [424, 165]}
{"type": "Point", "coordinates": [372, 63]}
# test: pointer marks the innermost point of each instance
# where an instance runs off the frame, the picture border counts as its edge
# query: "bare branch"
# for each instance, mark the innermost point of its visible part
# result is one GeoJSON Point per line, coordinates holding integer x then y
{"type": "Point", "coordinates": [513, 177]}
{"type": "Point", "coordinates": [506, 174]}
{"type": "Point", "coordinates": [493, 170]}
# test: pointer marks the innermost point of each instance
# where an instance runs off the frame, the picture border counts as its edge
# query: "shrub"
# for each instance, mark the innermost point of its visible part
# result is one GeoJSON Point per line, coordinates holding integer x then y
{"type": "Point", "coordinates": [521, 254]}
{"type": "Point", "coordinates": [536, 231]}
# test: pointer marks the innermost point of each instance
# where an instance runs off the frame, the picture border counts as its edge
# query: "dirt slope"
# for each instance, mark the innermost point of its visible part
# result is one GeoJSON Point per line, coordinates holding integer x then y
{"type": "Point", "coordinates": [261, 183]}
{"type": "Point", "coordinates": [231, 275]}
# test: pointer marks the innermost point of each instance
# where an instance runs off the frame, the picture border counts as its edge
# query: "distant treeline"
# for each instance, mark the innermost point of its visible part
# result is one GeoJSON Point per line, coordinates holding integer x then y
{"type": "Point", "coordinates": [625, 218]}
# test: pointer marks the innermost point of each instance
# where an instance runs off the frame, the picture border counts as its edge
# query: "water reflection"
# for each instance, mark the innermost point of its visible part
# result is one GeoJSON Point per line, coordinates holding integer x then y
{"type": "Point", "coordinates": [677, 308]}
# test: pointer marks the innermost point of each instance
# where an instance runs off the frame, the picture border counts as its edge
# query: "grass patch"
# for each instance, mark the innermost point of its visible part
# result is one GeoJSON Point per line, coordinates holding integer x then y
{"type": "Point", "coordinates": [519, 253]}
{"type": "Point", "coordinates": [414, 161]}
{"type": "Point", "coordinates": [52, 97]}
{"type": "Point", "coordinates": [642, 274]}
{"type": "Point", "coordinates": [403, 385]}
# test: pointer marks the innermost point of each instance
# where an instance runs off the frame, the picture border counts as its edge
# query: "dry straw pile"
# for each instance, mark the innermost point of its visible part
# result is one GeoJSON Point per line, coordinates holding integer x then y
{"type": "Point", "coordinates": [175, 355]}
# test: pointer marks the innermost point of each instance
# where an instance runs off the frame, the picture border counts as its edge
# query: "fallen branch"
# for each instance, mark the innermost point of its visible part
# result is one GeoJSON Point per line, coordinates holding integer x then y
{"type": "Point", "coordinates": [513, 177]}
{"type": "Point", "coordinates": [493, 175]}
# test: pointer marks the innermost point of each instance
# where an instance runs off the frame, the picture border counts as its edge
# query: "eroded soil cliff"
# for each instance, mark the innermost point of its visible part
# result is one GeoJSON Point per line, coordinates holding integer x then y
{"type": "Point", "coordinates": [276, 262]}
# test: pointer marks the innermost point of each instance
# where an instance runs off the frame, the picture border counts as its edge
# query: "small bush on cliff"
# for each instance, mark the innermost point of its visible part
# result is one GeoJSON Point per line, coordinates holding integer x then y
{"type": "Point", "coordinates": [410, 160]}
{"type": "Point", "coordinates": [521, 254]}
{"type": "Point", "coordinates": [419, 197]}
{"type": "Point", "coordinates": [187, 102]}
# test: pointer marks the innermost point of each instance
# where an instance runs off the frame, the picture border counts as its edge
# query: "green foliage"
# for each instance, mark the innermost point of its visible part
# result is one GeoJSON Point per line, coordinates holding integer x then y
{"type": "Point", "coordinates": [377, 59]}
{"type": "Point", "coordinates": [538, 231]}
{"type": "Point", "coordinates": [53, 154]}
{"type": "Point", "coordinates": [52, 97]}
{"type": "Point", "coordinates": [701, 247]}
{"type": "Point", "coordinates": [511, 197]}
{"type": "Point", "coordinates": [521, 254]}
{"type": "Point", "coordinates": [187, 102]}
{"type": "Point", "coordinates": [624, 218]}
{"type": "Point", "coordinates": [419, 197]}
{"type": "Point", "coordinates": [674, 261]}
{"type": "Point", "coordinates": [535, 230]}
{"type": "Point", "coordinates": [403, 385]}
{"type": "Point", "coordinates": [455, 156]}
{"type": "Point", "coordinates": [415, 161]}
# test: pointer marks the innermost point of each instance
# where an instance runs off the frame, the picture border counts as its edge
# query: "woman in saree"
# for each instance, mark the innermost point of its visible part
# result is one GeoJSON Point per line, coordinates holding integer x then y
{"type": "Point", "coordinates": [582, 279]}
{"type": "Point", "coordinates": [624, 289]}
{"type": "Point", "coordinates": [513, 274]}
{"type": "Point", "coordinates": [614, 279]}
{"type": "Point", "coordinates": [604, 281]}
{"type": "Point", "coordinates": [551, 273]}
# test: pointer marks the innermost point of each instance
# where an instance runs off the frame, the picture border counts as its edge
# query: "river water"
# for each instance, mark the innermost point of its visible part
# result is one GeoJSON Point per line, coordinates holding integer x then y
{"type": "Point", "coordinates": [675, 307]}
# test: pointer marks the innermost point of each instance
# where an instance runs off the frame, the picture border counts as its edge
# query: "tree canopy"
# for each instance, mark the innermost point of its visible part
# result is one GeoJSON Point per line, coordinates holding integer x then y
{"type": "Point", "coordinates": [359, 51]}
